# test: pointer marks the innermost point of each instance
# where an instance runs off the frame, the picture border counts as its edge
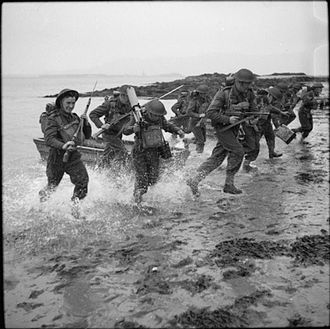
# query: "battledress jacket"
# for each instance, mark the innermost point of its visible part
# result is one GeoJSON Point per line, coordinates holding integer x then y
{"type": "Point", "coordinates": [110, 109]}
{"type": "Point", "coordinates": [221, 103]}
{"type": "Point", "coordinates": [53, 136]}
{"type": "Point", "coordinates": [162, 122]}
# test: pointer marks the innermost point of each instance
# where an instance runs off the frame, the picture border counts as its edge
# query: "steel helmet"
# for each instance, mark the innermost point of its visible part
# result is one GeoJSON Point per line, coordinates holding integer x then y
{"type": "Point", "coordinates": [123, 89]}
{"type": "Point", "coordinates": [156, 107]}
{"type": "Point", "coordinates": [282, 85]}
{"type": "Point", "coordinates": [203, 89]}
{"type": "Point", "coordinates": [297, 86]}
{"type": "Point", "coordinates": [244, 75]}
{"type": "Point", "coordinates": [275, 92]}
{"type": "Point", "coordinates": [65, 93]}
{"type": "Point", "coordinates": [317, 85]}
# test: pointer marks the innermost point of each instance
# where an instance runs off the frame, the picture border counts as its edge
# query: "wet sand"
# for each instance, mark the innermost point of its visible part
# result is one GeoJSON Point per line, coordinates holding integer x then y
{"type": "Point", "coordinates": [260, 259]}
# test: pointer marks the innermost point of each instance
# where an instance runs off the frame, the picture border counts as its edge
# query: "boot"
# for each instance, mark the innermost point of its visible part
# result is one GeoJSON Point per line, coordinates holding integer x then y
{"type": "Point", "coordinates": [275, 155]}
{"type": "Point", "coordinates": [200, 148]}
{"type": "Point", "coordinates": [247, 167]}
{"type": "Point", "coordinates": [193, 184]}
{"type": "Point", "coordinates": [229, 185]}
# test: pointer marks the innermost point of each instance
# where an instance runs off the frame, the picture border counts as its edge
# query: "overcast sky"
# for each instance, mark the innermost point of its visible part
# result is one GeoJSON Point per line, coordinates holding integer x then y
{"type": "Point", "coordinates": [162, 37]}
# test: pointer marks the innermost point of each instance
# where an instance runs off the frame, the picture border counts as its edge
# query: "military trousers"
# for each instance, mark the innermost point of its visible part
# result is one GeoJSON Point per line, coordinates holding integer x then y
{"type": "Point", "coordinates": [306, 122]}
{"type": "Point", "coordinates": [266, 129]}
{"type": "Point", "coordinates": [146, 164]}
{"type": "Point", "coordinates": [251, 141]}
{"type": "Point", "coordinates": [115, 152]}
{"type": "Point", "coordinates": [75, 168]}
{"type": "Point", "coordinates": [227, 146]}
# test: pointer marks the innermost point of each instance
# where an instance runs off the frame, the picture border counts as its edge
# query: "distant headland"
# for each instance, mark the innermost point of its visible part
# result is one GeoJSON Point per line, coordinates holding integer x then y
{"type": "Point", "coordinates": [213, 80]}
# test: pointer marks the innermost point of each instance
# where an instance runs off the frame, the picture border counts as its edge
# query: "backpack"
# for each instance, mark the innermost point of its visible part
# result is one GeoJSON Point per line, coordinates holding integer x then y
{"type": "Point", "coordinates": [49, 109]}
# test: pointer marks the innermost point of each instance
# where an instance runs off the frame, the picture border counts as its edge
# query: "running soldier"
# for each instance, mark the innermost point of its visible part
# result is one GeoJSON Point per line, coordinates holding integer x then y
{"type": "Point", "coordinates": [112, 110]}
{"type": "Point", "coordinates": [196, 109]}
{"type": "Point", "coordinates": [148, 144]}
{"type": "Point", "coordinates": [238, 96]}
{"type": "Point", "coordinates": [60, 128]}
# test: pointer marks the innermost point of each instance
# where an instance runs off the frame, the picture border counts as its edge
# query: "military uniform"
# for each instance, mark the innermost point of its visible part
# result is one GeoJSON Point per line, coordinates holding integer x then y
{"type": "Point", "coordinates": [115, 152]}
{"type": "Point", "coordinates": [198, 105]}
{"type": "Point", "coordinates": [146, 159]}
{"type": "Point", "coordinates": [180, 110]}
{"type": "Point", "coordinates": [55, 136]}
{"type": "Point", "coordinates": [305, 114]}
{"type": "Point", "coordinates": [288, 102]}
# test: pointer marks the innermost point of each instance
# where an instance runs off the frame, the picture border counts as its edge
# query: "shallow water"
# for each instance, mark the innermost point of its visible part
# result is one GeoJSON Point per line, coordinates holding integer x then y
{"type": "Point", "coordinates": [120, 266]}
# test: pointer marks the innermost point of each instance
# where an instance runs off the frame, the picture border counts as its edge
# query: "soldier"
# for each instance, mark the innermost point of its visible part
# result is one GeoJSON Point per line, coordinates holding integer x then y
{"type": "Point", "coordinates": [113, 109]}
{"type": "Point", "coordinates": [242, 96]}
{"type": "Point", "coordinates": [60, 129]}
{"type": "Point", "coordinates": [317, 89]}
{"type": "Point", "coordinates": [286, 104]}
{"type": "Point", "coordinates": [196, 109]}
{"type": "Point", "coordinates": [305, 114]}
{"type": "Point", "coordinates": [180, 110]}
{"type": "Point", "coordinates": [263, 99]}
{"type": "Point", "coordinates": [147, 145]}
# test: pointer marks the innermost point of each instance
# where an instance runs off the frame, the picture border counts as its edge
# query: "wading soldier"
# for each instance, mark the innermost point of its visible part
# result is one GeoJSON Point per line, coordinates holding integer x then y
{"type": "Point", "coordinates": [286, 104]}
{"type": "Point", "coordinates": [117, 106]}
{"type": "Point", "coordinates": [263, 100]}
{"type": "Point", "coordinates": [148, 145]}
{"type": "Point", "coordinates": [60, 129]}
{"type": "Point", "coordinates": [305, 115]}
{"type": "Point", "coordinates": [196, 109]}
{"type": "Point", "coordinates": [240, 96]}
{"type": "Point", "coordinates": [179, 108]}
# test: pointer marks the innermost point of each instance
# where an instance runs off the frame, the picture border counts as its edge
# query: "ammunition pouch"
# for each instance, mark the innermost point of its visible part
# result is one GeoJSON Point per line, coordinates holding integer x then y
{"type": "Point", "coordinates": [152, 137]}
{"type": "Point", "coordinates": [165, 151]}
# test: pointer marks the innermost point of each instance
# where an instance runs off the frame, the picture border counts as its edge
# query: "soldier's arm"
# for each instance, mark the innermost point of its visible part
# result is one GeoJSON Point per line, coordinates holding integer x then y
{"type": "Point", "coordinates": [175, 108]}
{"type": "Point", "coordinates": [98, 112]}
{"type": "Point", "coordinates": [129, 128]}
{"type": "Point", "coordinates": [51, 134]}
{"type": "Point", "coordinates": [170, 127]}
{"type": "Point", "coordinates": [214, 111]}
{"type": "Point", "coordinates": [190, 109]}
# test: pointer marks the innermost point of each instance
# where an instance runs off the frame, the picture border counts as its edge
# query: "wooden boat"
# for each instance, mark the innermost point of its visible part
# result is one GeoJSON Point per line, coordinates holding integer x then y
{"type": "Point", "coordinates": [92, 150]}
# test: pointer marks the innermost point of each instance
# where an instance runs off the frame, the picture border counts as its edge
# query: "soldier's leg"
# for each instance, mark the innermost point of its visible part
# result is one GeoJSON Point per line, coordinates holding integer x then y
{"type": "Point", "coordinates": [54, 172]}
{"type": "Point", "coordinates": [308, 125]}
{"type": "Point", "coordinates": [234, 161]}
{"type": "Point", "coordinates": [79, 178]}
{"type": "Point", "coordinates": [141, 174]}
{"type": "Point", "coordinates": [251, 146]}
{"type": "Point", "coordinates": [270, 139]}
{"type": "Point", "coordinates": [200, 139]}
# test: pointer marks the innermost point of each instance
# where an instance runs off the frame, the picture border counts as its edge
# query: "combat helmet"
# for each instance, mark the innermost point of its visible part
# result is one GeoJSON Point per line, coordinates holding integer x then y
{"type": "Point", "coordinates": [202, 89]}
{"type": "Point", "coordinates": [317, 85]}
{"type": "Point", "coordinates": [156, 107]}
{"type": "Point", "coordinates": [244, 75]}
{"type": "Point", "coordinates": [275, 92]}
{"type": "Point", "coordinates": [65, 92]}
{"type": "Point", "coordinates": [282, 86]}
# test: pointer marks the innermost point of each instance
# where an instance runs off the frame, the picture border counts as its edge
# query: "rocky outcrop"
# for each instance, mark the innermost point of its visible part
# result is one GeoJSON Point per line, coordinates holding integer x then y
{"type": "Point", "coordinates": [213, 80]}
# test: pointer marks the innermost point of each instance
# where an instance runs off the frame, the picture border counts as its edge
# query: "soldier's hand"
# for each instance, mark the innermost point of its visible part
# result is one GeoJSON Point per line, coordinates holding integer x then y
{"type": "Point", "coordinates": [233, 119]}
{"type": "Point", "coordinates": [181, 133]}
{"type": "Point", "coordinates": [136, 128]}
{"type": "Point", "coordinates": [105, 126]}
{"type": "Point", "coordinates": [243, 105]}
{"type": "Point", "coordinates": [202, 115]}
{"type": "Point", "coordinates": [69, 144]}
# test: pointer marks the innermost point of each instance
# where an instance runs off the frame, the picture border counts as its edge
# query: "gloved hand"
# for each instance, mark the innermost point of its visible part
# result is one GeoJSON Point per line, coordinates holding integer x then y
{"type": "Point", "coordinates": [136, 128]}
{"type": "Point", "coordinates": [233, 119]}
{"type": "Point", "coordinates": [105, 126]}
{"type": "Point", "coordinates": [181, 133]}
{"type": "Point", "coordinates": [69, 145]}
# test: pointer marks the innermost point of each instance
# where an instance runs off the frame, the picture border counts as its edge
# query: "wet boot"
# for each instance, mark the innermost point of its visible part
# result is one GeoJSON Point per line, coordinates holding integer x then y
{"type": "Point", "coordinates": [193, 184]}
{"type": "Point", "coordinates": [199, 148]}
{"type": "Point", "coordinates": [275, 155]}
{"type": "Point", "coordinates": [229, 185]}
{"type": "Point", "coordinates": [247, 167]}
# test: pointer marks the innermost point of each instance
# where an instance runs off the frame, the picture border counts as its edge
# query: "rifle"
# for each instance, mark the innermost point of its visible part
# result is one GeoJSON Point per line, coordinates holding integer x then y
{"type": "Point", "coordinates": [79, 129]}
{"type": "Point", "coordinates": [127, 114]}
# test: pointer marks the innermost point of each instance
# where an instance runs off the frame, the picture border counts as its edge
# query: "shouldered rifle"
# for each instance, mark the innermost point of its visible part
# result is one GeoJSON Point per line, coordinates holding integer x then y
{"type": "Point", "coordinates": [79, 129]}
{"type": "Point", "coordinates": [127, 114]}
